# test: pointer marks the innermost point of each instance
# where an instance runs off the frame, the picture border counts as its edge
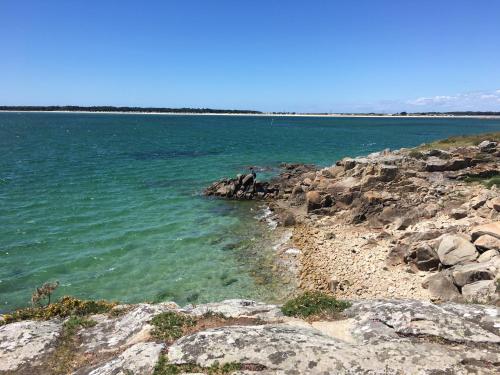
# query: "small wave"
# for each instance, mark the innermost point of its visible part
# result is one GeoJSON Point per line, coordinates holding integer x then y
{"type": "Point", "coordinates": [267, 216]}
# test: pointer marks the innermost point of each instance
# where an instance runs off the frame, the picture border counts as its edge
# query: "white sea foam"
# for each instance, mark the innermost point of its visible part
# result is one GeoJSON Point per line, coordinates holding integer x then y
{"type": "Point", "coordinates": [267, 215]}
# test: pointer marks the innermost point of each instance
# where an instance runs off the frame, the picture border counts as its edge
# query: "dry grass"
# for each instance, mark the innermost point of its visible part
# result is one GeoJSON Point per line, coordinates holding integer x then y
{"type": "Point", "coordinates": [459, 141]}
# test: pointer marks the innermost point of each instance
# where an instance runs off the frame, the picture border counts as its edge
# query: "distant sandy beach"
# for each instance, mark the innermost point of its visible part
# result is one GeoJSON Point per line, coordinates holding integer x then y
{"type": "Point", "coordinates": [333, 115]}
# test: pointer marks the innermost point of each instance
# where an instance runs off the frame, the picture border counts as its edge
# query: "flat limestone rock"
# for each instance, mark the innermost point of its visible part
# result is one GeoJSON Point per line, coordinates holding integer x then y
{"type": "Point", "coordinates": [111, 333]}
{"type": "Point", "coordinates": [27, 342]}
{"type": "Point", "coordinates": [421, 318]}
{"type": "Point", "coordinates": [285, 349]}
{"type": "Point", "coordinates": [140, 358]}
{"type": "Point", "coordinates": [235, 308]}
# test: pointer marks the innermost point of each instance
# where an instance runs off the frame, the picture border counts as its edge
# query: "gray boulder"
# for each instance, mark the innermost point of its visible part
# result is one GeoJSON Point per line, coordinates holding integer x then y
{"type": "Point", "coordinates": [487, 242]}
{"type": "Point", "coordinates": [424, 257]}
{"type": "Point", "coordinates": [486, 146]}
{"type": "Point", "coordinates": [484, 291]}
{"type": "Point", "coordinates": [454, 249]}
{"type": "Point", "coordinates": [487, 256]}
{"type": "Point", "coordinates": [458, 214]}
{"type": "Point", "coordinates": [441, 287]}
{"type": "Point", "coordinates": [492, 229]}
{"type": "Point", "coordinates": [434, 164]}
{"type": "Point", "coordinates": [470, 273]}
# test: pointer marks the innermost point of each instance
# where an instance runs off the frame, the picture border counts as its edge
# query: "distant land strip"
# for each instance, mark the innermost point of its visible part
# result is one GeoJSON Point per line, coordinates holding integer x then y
{"type": "Point", "coordinates": [74, 108]}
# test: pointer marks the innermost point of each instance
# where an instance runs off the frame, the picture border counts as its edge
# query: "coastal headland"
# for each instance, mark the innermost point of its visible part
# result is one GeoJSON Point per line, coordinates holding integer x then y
{"type": "Point", "coordinates": [397, 253]}
{"type": "Point", "coordinates": [418, 223]}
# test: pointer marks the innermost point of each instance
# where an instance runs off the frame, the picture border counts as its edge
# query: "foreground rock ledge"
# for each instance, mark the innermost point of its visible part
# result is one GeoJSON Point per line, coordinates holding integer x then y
{"type": "Point", "coordinates": [374, 337]}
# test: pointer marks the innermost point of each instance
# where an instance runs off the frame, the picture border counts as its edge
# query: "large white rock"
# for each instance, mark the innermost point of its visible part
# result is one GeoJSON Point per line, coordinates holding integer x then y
{"type": "Point", "coordinates": [140, 358]}
{"type": "Point", "coordinates": [27, 342]}
{"type": "Point", "coordinates": [454, 249]}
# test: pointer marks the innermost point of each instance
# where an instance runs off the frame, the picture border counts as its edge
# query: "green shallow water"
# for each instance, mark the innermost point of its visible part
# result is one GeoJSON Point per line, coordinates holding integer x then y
{"type": "Point", "coordinates": [110, 205]}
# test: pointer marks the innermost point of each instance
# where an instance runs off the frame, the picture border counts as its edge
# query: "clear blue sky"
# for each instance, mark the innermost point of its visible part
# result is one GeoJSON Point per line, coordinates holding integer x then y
{"type": "Point", "coordinates": [334, 56]}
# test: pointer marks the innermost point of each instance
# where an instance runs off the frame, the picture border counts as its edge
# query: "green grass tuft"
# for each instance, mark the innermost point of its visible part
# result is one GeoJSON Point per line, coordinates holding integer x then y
{"type": "Point", "coordinates": [76, 322]}
{"type": "Point", "coordinates": [310, 304]}
{"type": "Point", "coordinates": [165, 368]}
{"type": "Point", "coordinates": [486, 181]}
{"type": "Point", "coordinates": [170, 325]}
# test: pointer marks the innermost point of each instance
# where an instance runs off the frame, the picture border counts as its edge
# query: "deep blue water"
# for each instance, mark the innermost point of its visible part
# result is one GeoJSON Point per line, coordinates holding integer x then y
{"type": "Point", "coordinates": [110, 204]}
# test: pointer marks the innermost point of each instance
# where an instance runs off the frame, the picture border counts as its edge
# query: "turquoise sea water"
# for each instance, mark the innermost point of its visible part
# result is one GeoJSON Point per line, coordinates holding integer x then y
{"type": "Point", "coordinates": [110, 204]}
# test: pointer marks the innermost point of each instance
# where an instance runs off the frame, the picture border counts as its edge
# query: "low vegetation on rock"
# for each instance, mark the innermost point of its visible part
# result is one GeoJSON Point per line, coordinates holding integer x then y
{"type": "Point", "coordinates": [171, 325]}
{"type": "Point", "coordinates": [163, 367]}
{"type": "Point", "coordinates": [63, 358]}
{"type": "Point", "coordinates": [459, 141]}
{"type": "Point", "coordinates": [64, 307]}
{"type": "Point", "coordinates": [314, 304]}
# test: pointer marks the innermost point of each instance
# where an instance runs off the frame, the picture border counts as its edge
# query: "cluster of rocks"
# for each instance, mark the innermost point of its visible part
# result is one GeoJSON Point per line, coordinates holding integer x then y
{"type": "Point", "coordinates": [470, 266]}
{"type": "Point", "coordinates": [372, 337]}
{"type": "Point", "coordinates": [246, 187]}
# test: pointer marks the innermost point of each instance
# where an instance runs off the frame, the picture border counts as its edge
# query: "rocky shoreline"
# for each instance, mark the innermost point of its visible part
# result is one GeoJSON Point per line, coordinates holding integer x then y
{"type": "Point", "coordinates": [394, 224]}
{"type": "Point", "coordinates": [404, 235]}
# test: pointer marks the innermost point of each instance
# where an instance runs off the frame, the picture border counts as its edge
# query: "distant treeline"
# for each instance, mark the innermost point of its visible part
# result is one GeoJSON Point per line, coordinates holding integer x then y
{"type": "Point", "coordinates": [74, 108]}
